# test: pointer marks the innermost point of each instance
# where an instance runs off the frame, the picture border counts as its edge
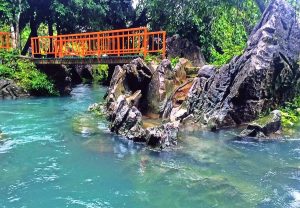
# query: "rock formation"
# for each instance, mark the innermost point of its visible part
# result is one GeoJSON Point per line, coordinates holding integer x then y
{"type": "Point", "coordinates": [263, 127]}
{"type": "Point", "coordinates": [80, 73]}
{"type": "Point", "coordinates": [265, 75]}
{"type": "Point", "coordinates": [138, 91]}
{"type": "Point", "coordinates": [10, 90]}
{"type": "Point", "coordinates": [183, 48]}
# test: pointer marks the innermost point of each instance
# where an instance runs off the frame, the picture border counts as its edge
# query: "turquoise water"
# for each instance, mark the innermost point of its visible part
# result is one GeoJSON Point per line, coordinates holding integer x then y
{"type": "Point", "coordinates": [53, 154]}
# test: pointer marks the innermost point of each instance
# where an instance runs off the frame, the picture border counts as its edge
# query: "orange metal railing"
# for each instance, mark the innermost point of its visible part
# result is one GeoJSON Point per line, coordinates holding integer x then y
{"type": "Point", "coordinates": [4, 40]}
{"type": "Point", "coordinates": [114, 42]}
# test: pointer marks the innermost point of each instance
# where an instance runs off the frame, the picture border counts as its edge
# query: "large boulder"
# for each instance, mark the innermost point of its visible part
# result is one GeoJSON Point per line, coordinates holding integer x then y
{"type": "Point", "coordinates": [10, 90]}
{"type": "Point", "coordinates": [265, 75]}
{"type": "Point", "coordinates": [166, 85]}
{"type": "Point", "coordinates": [160, 86]}
{"type": "Point", "coordinates": [183, 48]}
{"type": "Point", "coordinates": [265, 127]}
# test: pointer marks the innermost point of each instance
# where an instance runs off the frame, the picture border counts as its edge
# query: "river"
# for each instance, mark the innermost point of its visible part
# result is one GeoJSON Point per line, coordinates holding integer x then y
{"type": "Point", "coordinates": [54, 154]}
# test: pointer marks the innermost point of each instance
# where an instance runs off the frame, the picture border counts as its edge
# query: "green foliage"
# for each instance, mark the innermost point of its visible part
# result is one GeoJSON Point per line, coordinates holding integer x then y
{"type": "Point", "coordinates": [152, 58]}
{"type": "Point", "coordinates": [230, 38]}
{"type": "Point", "coordinates": [174, 61]}
{"type": "Point", "coordinates": [25, 74]}
{"type": "Point", "coordinates": [100, 73]}
{"type": "Point", "coordinates": [291, 113]}
{"type": "Point", "coordinates": [220, 28]}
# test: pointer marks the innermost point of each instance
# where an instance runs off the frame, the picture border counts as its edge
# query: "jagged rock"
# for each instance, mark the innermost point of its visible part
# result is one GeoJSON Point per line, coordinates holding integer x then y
{"type": "Point", "coordinates": [116, 88]}
{"type": "Point", "coordinates": [175, 108]}
{"type": "Point", "coordinates": [180, 70]}
{"type": "Point", "coordinates": [265, 75]}
{"type": "Point", "coordinates": [206, 71]}
{"type": "Point", "coordinates": [10, 90]}
{"type": "Point", "coordinates": [126, 119]}
{"type": "Point", "coordinates": [183, 48]}
{"type": "Point", "coordinates": [163, 136]}
{"type": "Point", "coordinates": [263, 127]}
{"type": "Point", "coordinates": [160, 86]}
{"type": "Point", "coordinates": [129, 79]}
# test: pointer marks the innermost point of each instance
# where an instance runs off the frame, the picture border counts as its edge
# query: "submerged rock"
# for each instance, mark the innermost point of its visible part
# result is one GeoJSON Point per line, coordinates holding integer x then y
{"type": "Point", "coordinates": [163, 136]}
{"type": "Point", "coordinates": [264, 127]}
{"type": "Point", "coordinates": [85, 125]}
{"type": "Point", "coordinates": [265, 75]}
{"type": "Point", "coordinates": [10, 90]}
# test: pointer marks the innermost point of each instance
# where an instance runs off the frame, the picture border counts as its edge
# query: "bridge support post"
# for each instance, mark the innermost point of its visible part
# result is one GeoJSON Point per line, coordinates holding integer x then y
{"type": "Point", "coordinates": [145, 42]}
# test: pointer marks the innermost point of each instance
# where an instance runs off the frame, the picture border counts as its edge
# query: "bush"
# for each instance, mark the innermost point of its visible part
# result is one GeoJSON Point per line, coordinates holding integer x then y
{"type": "Point", "coordinates": [230, 38]}
{"type": "Point", "coordinates": [291, 113]}
{"type": "Point", "coordinates": [100, 73]}
{"type": "Point", "coordinates": [25, 74]}
{"type": "Point", "coordinates": [153, 58]}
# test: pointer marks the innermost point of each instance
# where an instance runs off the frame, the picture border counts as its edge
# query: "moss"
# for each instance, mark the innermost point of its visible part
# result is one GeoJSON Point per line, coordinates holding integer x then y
{"type": "Point", "coordinates": [263, 120]}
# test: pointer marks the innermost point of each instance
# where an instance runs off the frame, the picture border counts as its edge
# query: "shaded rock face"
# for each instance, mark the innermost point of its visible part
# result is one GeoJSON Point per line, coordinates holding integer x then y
{"type": "Point", "coordinates": [61, 74]}
{"type": "Point", "coordinates": [80, 73]}
{"type": "Point", "coordinates": [264, 127]}
{"type": "Point", "coordinates": [10, 90]}
{"type": "Point", "coordinates": [266, 73]}
{"type": "Point", "coordinates": [183, 48]}
{"type": "Point", "coordinates": [129, 79]}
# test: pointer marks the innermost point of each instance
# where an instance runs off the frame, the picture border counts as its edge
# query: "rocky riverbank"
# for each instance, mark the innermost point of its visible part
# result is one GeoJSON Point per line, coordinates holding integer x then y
{"type": "Point", "coordinates": [262, 78]}
{"type": "Point", "coordinates": [10, 90]}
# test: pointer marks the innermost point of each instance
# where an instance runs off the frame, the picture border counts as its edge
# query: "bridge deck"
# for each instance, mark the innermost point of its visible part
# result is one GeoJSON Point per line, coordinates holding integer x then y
{"type": "Point", "coordinates": [84, 60]}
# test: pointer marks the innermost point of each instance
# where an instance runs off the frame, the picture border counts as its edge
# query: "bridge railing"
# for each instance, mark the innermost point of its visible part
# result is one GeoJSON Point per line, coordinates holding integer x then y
{"type": "Point", "coordinates": [5, 40]}
{"type": "Point", "coordinates": [115, 42]}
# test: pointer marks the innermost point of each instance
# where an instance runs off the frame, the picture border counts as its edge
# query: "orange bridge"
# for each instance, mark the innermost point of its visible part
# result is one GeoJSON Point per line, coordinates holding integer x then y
{"type": "Point", "coordinates": [4, 40]}
{"type": "Point", "coordinates": [108, 47]}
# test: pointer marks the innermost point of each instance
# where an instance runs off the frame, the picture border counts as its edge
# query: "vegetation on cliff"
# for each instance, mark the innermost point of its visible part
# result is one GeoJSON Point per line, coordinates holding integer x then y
{"type": "Point", "coordinates": [25, 74]}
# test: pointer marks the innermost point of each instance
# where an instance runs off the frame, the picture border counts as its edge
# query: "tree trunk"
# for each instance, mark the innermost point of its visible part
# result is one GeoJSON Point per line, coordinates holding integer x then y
{"type": "Point", "coordinates": [50, 31]}
{"type": "Point", "coordinates": [13, 35]}
{"type": "Point", "coordinates": [33, 33]}
{"type": "Point", "coordinates": [18, 15]}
